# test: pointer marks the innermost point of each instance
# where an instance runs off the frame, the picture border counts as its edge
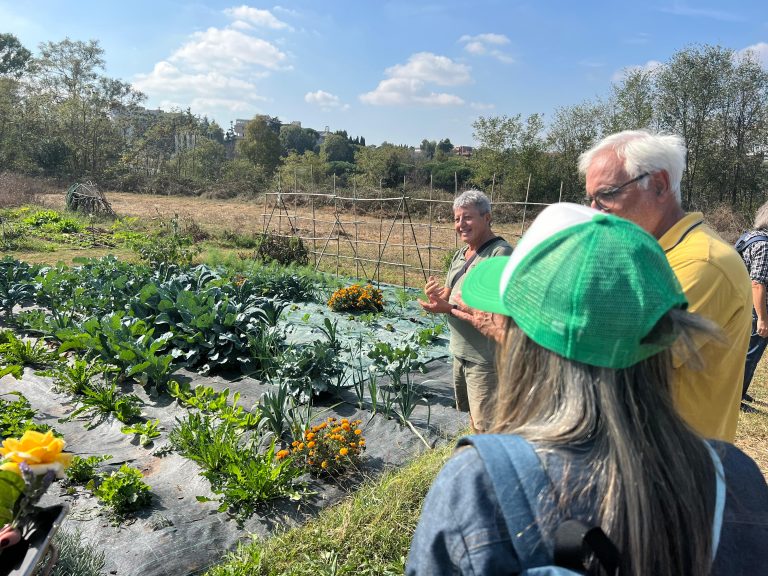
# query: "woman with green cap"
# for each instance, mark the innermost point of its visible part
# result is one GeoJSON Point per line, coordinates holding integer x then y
{"type": "Point", "coordinates": [588, 465]}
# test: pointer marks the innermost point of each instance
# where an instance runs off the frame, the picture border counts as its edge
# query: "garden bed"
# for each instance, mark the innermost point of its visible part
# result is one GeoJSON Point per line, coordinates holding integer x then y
{"type": "Point", "coordinates": [188, 525]}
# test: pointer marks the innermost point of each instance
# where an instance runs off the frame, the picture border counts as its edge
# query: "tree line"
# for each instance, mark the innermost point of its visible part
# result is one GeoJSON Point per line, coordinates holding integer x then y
{"type": "Point", "coordinates": [61, 116]}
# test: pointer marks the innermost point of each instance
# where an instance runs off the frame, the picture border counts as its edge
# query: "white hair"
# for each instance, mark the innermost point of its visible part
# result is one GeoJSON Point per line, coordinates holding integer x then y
{"type": "Point", "coordinates": [643, 151]}
{"type": "Point", "coordinates": [473, 198]}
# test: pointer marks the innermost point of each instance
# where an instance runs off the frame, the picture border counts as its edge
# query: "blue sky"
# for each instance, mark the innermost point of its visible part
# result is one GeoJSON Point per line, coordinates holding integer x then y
{"type": "Point", "coordinates": [396, 71]}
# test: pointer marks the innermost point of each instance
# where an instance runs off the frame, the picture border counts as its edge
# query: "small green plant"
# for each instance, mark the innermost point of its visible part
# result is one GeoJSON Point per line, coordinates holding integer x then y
{"type": "Point", "coordinates": [330, 447]}
{"type": "Point", "coordinates": [83, 470]}
{"type": "Point", "coordinates": [123, 491]}
{"type": "Point", "coordinates": [98, 401]}
{"type": "Point", "coordinates": [357, 298]}
{"type": "Point", "coordinates": [77, 557]}
{"type": "Point", "coordinates": [147, 431]}
{"type": "Point", "coordinates": [24, 352]}
{"type": "Point", "coordinates": [16, 416]}
{"type": "Point", "coordinates": [74, 378]}
{"type": "Point", "coordinates": [53, 222]}
{"type": "Point", "coordinates": [242, 476]}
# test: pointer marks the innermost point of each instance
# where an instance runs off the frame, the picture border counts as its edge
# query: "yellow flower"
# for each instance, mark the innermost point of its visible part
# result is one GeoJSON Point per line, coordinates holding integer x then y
{"type": "Point", "coordinates": [358, 431]}
{"type": "Point", "coordinates": [344, 451]}
{"type": "Point", "coordinates": [282, 454]}
{"type": "Point", "coordinates": [309, 435]}
{"type": "Point", "coordinates": [324, 464]}
{"type": "Point", "coordinates": [362, 442]}
{"type": "Point", "coordinates": [311, 444]}
{"type": "Point", "coordinates": [42, 452]}
{"type": "Point", "coordinates": [346, 426]}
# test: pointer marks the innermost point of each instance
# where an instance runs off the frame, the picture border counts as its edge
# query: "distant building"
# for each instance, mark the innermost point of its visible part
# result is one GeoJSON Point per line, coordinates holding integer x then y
{"type": "Point", "coordinates": [463, 151]}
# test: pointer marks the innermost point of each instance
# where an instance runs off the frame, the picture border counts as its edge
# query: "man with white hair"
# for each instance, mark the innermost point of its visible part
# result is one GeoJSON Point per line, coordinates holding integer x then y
{"type": "Point", "coordinates": [636, 174]}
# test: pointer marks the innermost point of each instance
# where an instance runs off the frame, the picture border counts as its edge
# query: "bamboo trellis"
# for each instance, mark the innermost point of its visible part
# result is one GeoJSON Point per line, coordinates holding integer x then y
{"type": "Point", "coordinates": [359, 236]}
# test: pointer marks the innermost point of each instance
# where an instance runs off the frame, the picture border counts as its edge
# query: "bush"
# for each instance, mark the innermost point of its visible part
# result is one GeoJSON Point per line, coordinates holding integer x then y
{"type": "Point", "coordinates": [357, 298]}
{"type": "Point", "coordinates": [281, 249]}
{"type": "Point", "coordinates": [124, 490]}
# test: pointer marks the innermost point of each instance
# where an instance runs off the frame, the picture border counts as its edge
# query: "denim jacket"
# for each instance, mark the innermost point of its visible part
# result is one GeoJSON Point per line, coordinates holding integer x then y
{"type": "Point", "coordinates": [462, 529]}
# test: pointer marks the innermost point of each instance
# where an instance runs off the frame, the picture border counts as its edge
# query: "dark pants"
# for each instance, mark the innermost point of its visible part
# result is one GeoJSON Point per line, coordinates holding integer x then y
{"type": "Point", "coordinates": [754, 353]}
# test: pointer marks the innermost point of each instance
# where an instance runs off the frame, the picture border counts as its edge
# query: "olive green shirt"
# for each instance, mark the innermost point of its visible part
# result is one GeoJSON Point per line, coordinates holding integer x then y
{"type": "Point", "coordinates": [466, 342]}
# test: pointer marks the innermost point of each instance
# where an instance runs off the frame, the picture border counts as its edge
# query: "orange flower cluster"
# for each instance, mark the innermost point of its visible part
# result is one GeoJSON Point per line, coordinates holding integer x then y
{"type": "Point", "coordinates": [331, 446]}
{"type": "Point", "coordinates": [357, 298]}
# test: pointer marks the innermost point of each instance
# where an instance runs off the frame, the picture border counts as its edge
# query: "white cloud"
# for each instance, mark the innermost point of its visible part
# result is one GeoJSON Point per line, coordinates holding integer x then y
{"type": "Point", "coordinates": [409, 83]}
{"type": "Point", "coordinates": [228, 50]}
{"type": "Point", "coordinates": [428, 67]}
{"type": "Point", "coordinates": [481, 106]}
{"type": "Point", "coordinates": [256, 17]}
{"type": "Point", "coordinates": [486, 44]}
{"type": "Point", "coordinates": [325, 100]}
{"type": "Point", "coordinates": [758, 51]}
{"type": "Point", "coordinates": [649, 66]}
{"type": "Point", "coordinates": [488, 38]}
{"type": "Point", "coordinates": [166, 78]}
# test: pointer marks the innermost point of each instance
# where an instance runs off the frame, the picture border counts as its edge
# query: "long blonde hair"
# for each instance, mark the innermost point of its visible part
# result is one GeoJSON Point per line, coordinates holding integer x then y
{"type": "Point", "coordinates": [646, 468]}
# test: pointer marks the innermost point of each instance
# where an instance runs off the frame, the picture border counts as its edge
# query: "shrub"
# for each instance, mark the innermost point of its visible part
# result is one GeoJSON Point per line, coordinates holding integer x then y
{"type": "Point", "coordinates": [83, 470]}
{"type": "Point", "coordinates": [281, 249]}
{"type": "Point", "coordinates": [330, 447]}
{"type": "Point", "coordinates": [357, 298]}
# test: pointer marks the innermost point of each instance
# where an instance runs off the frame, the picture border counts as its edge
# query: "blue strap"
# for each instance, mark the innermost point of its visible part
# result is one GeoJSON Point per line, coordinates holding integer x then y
{"type": "Point", "coordinates": [520, 484]}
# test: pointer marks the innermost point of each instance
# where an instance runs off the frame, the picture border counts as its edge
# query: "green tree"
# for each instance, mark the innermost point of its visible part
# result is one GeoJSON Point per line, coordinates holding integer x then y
{"type": "Point", "coordinates": [428, 148]}
{"type": "Point", "coordinates": [445, 147]}
{"type": "Point", "coordinates": [297, 139]}
{"type": "Point", "coordinates": [14, 58]}
{"type": "Point", "coordinates": [261, 144]}
{"type": "Point", "coordinates": [573, 130]}
{"type": "Point", "coordinates": [630, 106]}
{"type": "Point", "coordinates": [690, 89]}
{"type": "Point", "coordinates": [337, 148]}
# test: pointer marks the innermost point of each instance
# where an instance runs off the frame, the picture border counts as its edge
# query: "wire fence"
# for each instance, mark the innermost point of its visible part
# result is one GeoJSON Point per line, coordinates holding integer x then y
{"type": "Point", "coordinates": [375, 236]}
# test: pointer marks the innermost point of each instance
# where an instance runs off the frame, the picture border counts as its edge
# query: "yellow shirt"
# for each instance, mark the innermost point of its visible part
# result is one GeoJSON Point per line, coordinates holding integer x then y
{"type": "Point", "coordinates": [717, 286]}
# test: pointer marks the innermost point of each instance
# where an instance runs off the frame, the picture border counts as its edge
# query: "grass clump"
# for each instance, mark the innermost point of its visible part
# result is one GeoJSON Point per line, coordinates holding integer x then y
{"type": "Point", "coordinates": [368, 533]}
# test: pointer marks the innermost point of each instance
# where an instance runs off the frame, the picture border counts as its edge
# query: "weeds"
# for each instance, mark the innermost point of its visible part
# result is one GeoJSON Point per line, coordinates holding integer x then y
{"type": "Point", "coordinates": [83, 470]}
{"type": "Point", "coordinates": [147, 431]}
{"type": "Point", "coordinates": [99, 401]}
{"type": "Point", "coordinates": [123, 491]}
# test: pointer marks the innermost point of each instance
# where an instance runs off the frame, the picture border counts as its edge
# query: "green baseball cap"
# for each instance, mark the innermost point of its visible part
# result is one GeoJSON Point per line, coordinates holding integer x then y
{"type": "Point", "coordinates": [587, 285]}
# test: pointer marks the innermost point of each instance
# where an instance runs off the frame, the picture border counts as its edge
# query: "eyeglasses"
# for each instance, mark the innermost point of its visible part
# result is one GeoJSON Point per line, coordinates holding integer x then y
{"type": "Point", "coordinates": [605, 199]}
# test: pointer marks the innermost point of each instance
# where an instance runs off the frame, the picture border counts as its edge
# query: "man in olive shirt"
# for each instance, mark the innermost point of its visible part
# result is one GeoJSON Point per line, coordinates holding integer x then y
{"type": "Point", "coordinates": [474, 371]}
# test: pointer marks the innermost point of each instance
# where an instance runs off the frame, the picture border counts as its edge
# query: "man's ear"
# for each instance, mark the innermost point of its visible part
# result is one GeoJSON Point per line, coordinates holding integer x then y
{"type": "Point", "coordinates": [660, 183]}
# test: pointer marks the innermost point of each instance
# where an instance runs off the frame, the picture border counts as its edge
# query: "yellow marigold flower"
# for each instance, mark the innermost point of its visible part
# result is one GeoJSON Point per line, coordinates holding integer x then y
{"type": "Point", "coordinates": [311, 444]}
{"type": "Point", "coordinates": [42, 452]}
{"type": "Point", "coordinates": [282, 454]}
{"type": "Point", "coordinates": [324, 464]}
{"type": "Point", "coordinates": [352, 445]}
{"type": "Point", "coordinates": [344, 451]}
{"type": "Point", "coordinates": [301, 445]}
{"type": "Point", "coordinates": [358, 431]}
{"type": "Point", "coordinates": [345, 420]}
{"type": "Point", "coordinates": [309, 435]}
{"type": "Point", "coordinates": [295, 443]}
{"type": "Point", "coordinates": [346, 426]}
{"type": "Point", "coordinates": [362, 442]}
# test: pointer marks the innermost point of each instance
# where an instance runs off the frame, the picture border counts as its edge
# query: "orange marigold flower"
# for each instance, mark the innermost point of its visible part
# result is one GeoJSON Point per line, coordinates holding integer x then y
{"type": "Point", "coordinates": [309, 435]}
{"type": "Point", "coordinates": [311, 444]}
{"type": "Point", "coordinates": [282, 454]}
{"type": "Point", "coordinates": [346, 426]}
{"type": "Point", "coordinates": [301, 445]}
{"type": "Point", "coordinates": [362, 442]}
{"type": "Point", "coordinates": [358, 431]}
{"type": "Point", "coordinates": [344, 451]}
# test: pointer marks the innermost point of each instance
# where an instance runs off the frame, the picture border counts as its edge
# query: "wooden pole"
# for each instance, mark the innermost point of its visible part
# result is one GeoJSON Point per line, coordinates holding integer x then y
{"type": "Point", "coordinates": [429, 241]}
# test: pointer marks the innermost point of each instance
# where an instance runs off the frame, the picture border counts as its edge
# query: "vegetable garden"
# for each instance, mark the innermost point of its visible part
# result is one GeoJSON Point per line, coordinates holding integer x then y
{"type": "Point", "coordinates": [205, 405]}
